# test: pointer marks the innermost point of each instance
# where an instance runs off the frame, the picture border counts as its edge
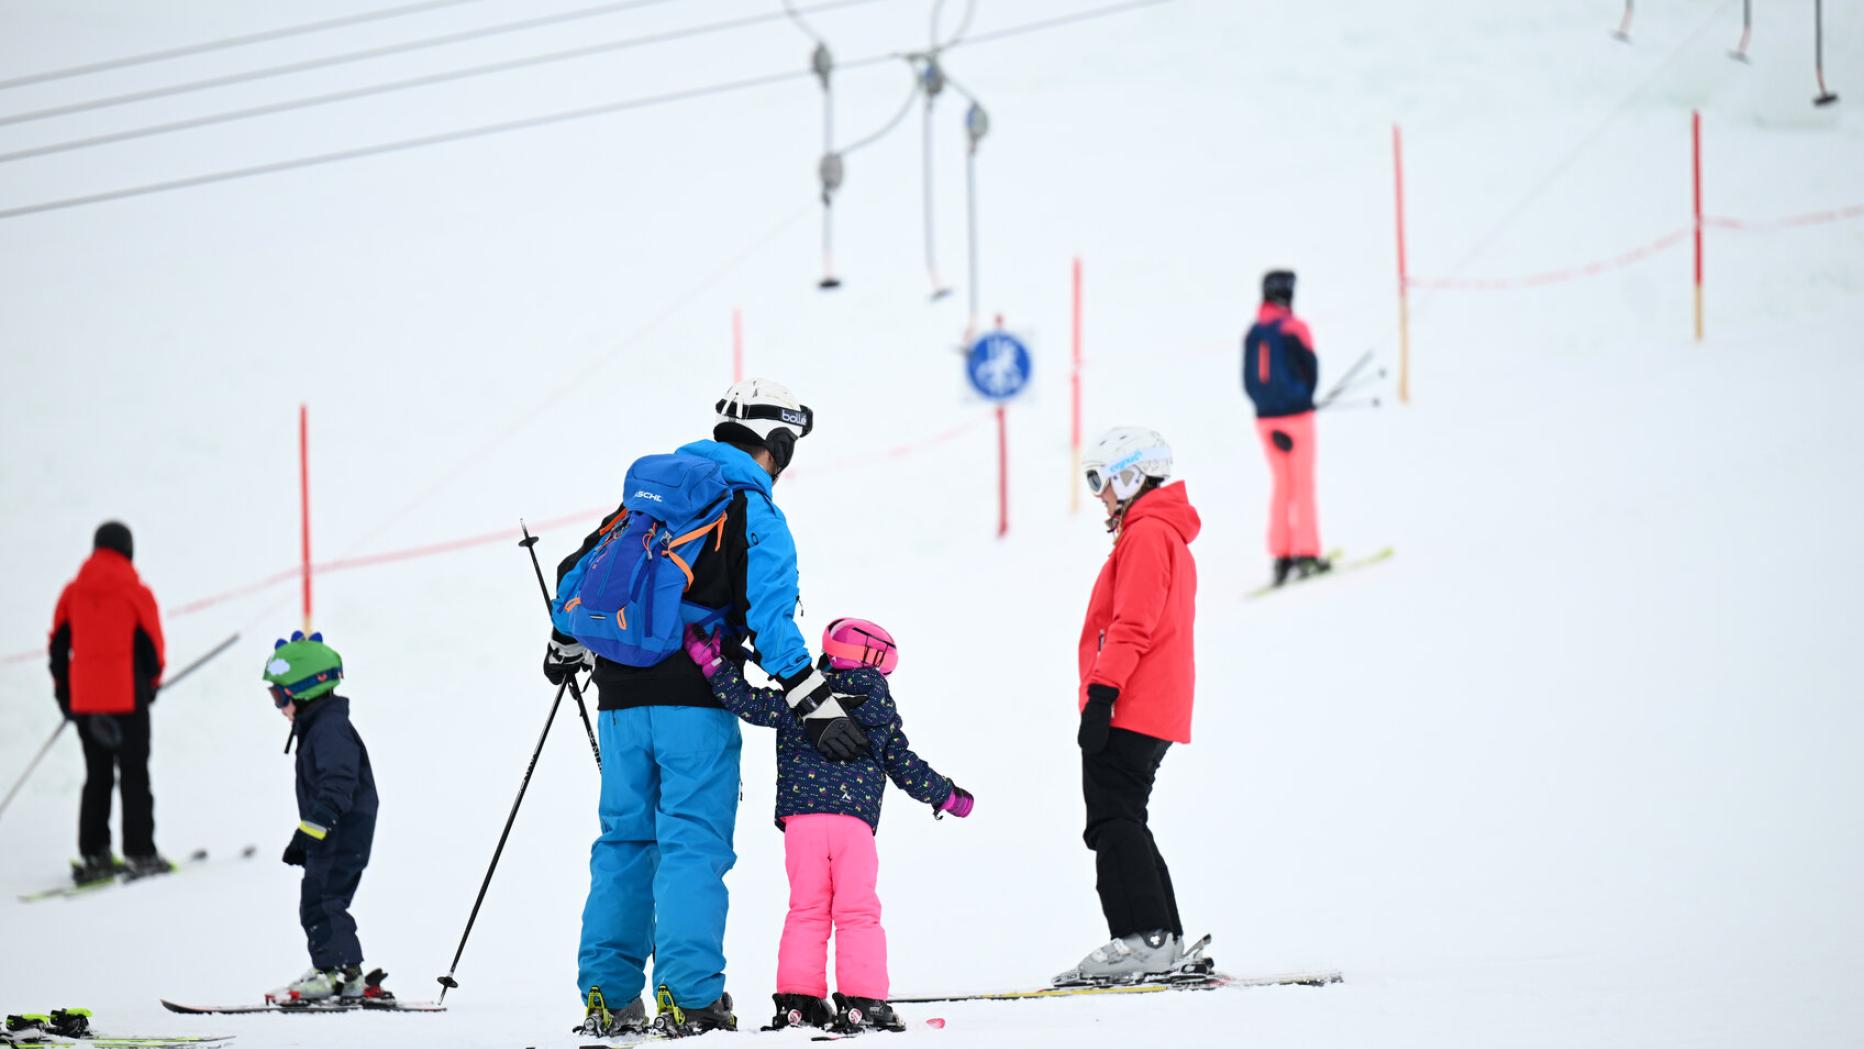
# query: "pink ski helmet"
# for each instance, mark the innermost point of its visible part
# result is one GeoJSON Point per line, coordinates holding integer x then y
{"type": "Point", "coordinates": [851, 643]}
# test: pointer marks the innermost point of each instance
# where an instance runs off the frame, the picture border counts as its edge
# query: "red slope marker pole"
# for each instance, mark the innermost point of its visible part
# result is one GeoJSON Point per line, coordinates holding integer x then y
{"type": "Point", "coordinates": [1695, 155]}
{"type": "Point", "coordinates": [304, 505]}
{"type": "Point", "coordinates": [737, 345]}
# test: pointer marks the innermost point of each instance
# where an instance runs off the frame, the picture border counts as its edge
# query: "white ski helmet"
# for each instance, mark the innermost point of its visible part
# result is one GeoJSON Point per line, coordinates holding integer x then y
{"type": "Point", "coordinates": [763, 413]}
{"type": "Point", "coordinates": [1125, 457]}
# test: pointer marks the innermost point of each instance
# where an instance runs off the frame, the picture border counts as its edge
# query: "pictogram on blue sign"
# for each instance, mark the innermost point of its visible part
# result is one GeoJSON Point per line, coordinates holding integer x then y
{"type": "Point", "coordinates": [998, 365]}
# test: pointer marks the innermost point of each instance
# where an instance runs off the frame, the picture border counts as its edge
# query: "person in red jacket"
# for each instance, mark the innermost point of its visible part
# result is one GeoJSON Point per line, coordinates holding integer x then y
{"type": "Point", "coordinates": [107, 660]}
{"type": "Point", "coordinates": [1137, 679]}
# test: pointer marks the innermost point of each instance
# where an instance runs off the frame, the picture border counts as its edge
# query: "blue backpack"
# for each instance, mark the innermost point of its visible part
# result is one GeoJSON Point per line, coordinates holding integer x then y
{"type": "Point", "coordinates": [626, 598]}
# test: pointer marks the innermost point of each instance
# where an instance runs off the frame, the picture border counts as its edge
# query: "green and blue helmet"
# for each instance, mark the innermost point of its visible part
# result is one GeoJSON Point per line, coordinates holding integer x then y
{"type": "Point", "coordinates": [302, 669]}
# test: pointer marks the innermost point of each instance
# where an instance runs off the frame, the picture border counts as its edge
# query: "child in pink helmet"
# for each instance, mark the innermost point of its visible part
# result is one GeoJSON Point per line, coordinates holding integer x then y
{"type": "Point", "coordinates": [829, 812]}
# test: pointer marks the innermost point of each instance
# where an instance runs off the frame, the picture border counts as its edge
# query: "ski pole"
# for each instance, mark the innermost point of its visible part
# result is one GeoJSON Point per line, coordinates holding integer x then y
{"type": "Point", "coordinates": [43, 751]}
{"type": "Point", "coordinates": [171, 682]}
{"type": "Point", "coordinates": [1370, 402]}
{"type": "Point", "coordinates": [197, 664]}
{"type": "Point", "coordinates": [447, 982]}
{"type": "Point", "coordinates": [529, 542]}
{"type": "Point", "coordinates": [1340, 386]}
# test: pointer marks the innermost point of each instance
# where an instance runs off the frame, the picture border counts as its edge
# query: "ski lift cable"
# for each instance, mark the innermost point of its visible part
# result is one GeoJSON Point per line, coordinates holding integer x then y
{"type": "Point", "coordinates": [544, 120]}
{"type": "Point", "coordinates": [906, 107]}
{"type": "Point", "coordinates": [410, 83]}
{"type": "Point", "coordinates": [964, 25]}
{"type": "Point", "coordinates": [225, 43]}
{"type": "Point", "coordinates": [328, 61]}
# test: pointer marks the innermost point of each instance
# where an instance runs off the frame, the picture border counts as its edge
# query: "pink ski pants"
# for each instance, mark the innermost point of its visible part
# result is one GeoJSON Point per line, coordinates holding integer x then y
{"type": "Point", "coordinates": [832, 865]}
{"type": "Point", "coordinates": [1294, 525]}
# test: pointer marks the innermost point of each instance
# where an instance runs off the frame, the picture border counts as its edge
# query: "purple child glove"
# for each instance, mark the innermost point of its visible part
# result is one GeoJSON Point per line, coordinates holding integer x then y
{"type": "Point", "coordinates": [703, 650]}
{"type": "Point", "coordinates": [959, 802]}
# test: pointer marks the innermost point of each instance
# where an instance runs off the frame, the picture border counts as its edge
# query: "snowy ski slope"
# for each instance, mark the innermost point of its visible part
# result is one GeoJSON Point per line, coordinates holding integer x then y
{"type": "Point", "coordinates": [1576, 768]}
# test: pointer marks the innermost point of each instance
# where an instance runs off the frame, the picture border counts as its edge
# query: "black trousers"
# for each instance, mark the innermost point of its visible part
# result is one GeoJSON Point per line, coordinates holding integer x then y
{"type": "Point", "coordinates": [1134, 884]}
{"type": "Point", "coordinates": [116, 746]}
{"type": "Point", "coordinates": [332, 871]}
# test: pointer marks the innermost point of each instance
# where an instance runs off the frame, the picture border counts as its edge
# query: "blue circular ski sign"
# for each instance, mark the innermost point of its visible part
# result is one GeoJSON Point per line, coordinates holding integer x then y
{"type": "Point", "coordinates": [998, 365]}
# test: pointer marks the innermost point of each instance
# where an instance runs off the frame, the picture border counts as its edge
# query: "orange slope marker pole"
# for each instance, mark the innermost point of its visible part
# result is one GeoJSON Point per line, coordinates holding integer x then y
{"type": "Point", "coordinates": [304, 506]}
{"type": "Point", "coordinates": [1404, 277]}
{"type": "Point", "coordinates": [1695, 153]}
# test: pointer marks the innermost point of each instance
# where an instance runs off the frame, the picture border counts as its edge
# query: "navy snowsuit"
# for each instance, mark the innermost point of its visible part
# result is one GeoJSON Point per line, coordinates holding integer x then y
{"type": "Point", "coordinates": [807, 782]}
{"type": "Point", "coordinates": [336, 789]}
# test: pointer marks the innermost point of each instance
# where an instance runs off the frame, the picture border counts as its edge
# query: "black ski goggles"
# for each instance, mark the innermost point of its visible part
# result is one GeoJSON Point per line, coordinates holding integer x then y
{"type": "Point", "coordinates": [801, 417]}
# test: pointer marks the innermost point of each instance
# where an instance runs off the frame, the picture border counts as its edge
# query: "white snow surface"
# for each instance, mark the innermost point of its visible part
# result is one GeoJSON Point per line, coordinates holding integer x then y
{"type": "Point", "coordinates": [1579, 767]}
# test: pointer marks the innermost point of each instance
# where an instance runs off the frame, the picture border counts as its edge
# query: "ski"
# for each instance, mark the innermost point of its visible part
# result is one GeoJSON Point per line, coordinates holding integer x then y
{"type": "Point", "coordinates": [1340, 565]}
{"type": "Point", "coordinates": [1199, 977]}
{"type": "Point", "coordinates": [93, 1042]}
{"type": "Point", "coordinates": [307, 1008]}
{"type": "Point", "coordinates": [193, 860]}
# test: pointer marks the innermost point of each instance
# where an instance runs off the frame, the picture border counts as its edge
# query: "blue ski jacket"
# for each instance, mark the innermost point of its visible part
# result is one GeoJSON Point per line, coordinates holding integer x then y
{"type": "Point", "coordinates": [810, 784]}
{"type": "Point", "coordinates": [335, 781]}
{"type": "Point", "coordinates": [1280, 369]}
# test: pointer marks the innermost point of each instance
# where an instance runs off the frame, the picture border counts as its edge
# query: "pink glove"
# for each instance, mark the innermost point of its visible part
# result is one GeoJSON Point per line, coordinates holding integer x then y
{"type": "Point", "coordinates": [703, 650]}
{"type": "Point", "coordinates": [959, 802]}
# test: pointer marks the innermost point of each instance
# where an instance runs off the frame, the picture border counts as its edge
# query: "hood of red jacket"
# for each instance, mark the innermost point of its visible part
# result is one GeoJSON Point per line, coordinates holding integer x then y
{"type": "Point", "coordinates": [1272, 311]}
{"type": "Point", "coordinates": [1171, 505]}
{"type": "Point", "coordinates": [106, 567]}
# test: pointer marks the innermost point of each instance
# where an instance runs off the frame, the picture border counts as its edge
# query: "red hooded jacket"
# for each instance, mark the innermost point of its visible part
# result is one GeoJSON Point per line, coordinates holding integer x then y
{"type": "Point", "coordinates": [1138, 634]}
{"type": "Point", "coordinates": [104, 616]}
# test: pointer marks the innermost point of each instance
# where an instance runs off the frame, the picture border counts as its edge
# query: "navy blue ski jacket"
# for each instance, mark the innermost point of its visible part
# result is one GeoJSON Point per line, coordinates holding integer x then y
{"type": "Point", "coordinates": [1280, 369]}
{"type": "Point", "coordinates": [335, 782]}
{"type": "Point", "coordinates": [810, 784]}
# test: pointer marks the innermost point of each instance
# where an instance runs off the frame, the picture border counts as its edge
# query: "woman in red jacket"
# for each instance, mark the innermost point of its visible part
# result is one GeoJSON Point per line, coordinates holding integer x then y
{"type": "Point", "coordinates": [1137, 678]}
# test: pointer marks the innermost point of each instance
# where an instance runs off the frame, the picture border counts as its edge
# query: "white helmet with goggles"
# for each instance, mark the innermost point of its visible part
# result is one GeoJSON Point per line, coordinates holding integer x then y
{"type": "Point", "coordinates": [1126, 457]}
{"type": "Point", "coordinates": [764, 414]}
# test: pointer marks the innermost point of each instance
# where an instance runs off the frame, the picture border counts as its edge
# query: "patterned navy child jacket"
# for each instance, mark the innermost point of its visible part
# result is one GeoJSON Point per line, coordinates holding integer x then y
{"type": "Point", "coordinates": [810, 784]}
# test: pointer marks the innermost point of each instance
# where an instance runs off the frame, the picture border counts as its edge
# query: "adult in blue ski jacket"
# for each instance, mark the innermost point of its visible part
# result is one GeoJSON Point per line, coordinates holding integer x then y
{"type": "Point", "coordinates": [670, 752]}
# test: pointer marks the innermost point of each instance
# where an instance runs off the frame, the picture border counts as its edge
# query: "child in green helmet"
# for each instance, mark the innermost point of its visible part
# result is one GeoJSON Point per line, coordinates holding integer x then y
{"type": "Point", "coordinates": [336, 820]}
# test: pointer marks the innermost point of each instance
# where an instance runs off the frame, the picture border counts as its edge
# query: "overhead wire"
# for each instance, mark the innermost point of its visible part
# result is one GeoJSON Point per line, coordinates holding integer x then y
{"type": "Point", "coordinates": [224, 43]}
{"type": "Point", "coordinates": [328, 61]}
{"type": "Point", "coordinates": [542, 120]}
{"type": "Point", "coordinates": [430, 80]}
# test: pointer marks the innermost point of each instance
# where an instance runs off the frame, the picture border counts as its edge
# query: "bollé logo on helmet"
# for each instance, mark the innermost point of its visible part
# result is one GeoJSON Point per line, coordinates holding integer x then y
{"type": "Point", "coordinates": [796, 418]}
{"type": "Point", "coordinates": [645, 494]}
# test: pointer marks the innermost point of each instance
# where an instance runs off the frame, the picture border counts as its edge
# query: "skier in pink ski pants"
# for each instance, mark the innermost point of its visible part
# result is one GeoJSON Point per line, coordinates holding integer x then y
{"type": "Point", "coordinates": [1280, 372]}
{"type": "Point", "coordinates": [828, 811]}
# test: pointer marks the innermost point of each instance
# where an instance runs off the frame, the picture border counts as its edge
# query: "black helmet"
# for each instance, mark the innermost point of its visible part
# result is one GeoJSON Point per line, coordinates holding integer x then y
{"type": "Point", "coordinates": [114, 535]}
{"type": "Point", "coordinates": [1278, 287]}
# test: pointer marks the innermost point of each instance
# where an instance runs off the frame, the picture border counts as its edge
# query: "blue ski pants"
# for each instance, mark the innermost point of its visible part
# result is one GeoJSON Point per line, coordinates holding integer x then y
{"type": "Point", "coordinates": [657, 874]}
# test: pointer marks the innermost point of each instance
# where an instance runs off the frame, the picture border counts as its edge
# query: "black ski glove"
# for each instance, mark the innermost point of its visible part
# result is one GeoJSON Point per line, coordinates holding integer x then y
{"type": "Point", "coordinates": [565, 658]}
{"type": "Point", "coordinates": [305, 840]}
{"type": "Point", "coordinates": [1282, 440]}
{"type": "Point", "coordinates": [825, 716]}
{"type": "Point", "coordinates": [1097, 718]}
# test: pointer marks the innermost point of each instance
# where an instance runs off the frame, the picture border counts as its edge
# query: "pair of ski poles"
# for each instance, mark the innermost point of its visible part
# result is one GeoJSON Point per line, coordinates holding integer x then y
{"type": "Point", "coordinates": [447, 982]}
{"type": "Point", "coordinates": [60, 730]}
{"type": "Point", "coordinates": [1352, 382]}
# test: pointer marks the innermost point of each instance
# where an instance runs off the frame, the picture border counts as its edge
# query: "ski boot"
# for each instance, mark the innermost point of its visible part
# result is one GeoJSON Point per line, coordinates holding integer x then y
{"type": "Point", "coordinates": [1126, 959]}
{"type": "Point", "coordinates": [1311, 566]}
{"type": "Point", "coordinates": [800, 1010]}
{"type": "Point", "coordinates": [146, 866]}
{"type": "Point", "coordinates": [854, 1015]}
{"type": "Point", "coordinates": [95, 868]}
{"type": "Point", "coordinates": [600, 1022]}
{"type": "Point", "coordinates": [316, 985]}
{"type": "Point", "coordinates": [1283, 566]}
{"type": "Point", "coordinates": [676, 1022]}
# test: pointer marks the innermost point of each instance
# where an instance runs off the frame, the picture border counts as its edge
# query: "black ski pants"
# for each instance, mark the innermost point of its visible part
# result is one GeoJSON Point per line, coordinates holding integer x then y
{"type": "Point", "coordinates": [1134, 884]}
{"type": "Point", "coordinates": [116, 748]}
{"type": "Point", "coordinates": [332, 871]}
